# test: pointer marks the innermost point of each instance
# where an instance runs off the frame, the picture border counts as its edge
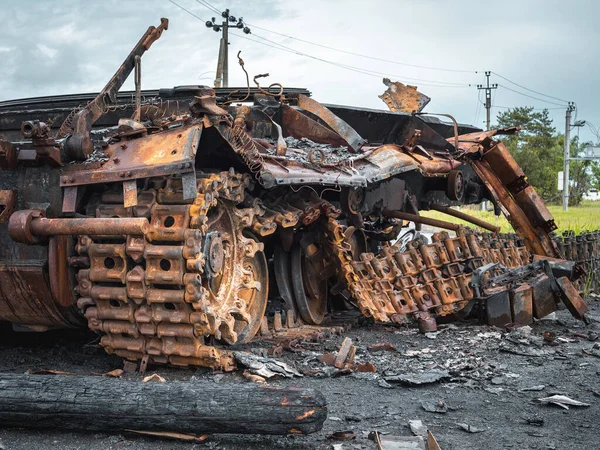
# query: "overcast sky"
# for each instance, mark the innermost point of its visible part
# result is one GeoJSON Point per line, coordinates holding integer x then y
{"type": "Point", "coordinates": [550, 46]}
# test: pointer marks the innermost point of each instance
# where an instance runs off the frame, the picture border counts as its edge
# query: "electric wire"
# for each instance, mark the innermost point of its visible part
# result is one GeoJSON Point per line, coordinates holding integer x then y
{"type": "Point", "coordinates": [527, 89]}
{"type": "Point", "coordinates": [209, 6]}
{"type": "Point", "coordinates": [530, 96]}
{"type": "Point", "coordinates": [424, 82]}
{"type": "Point", "coordinates": [186, 10]}
{"type": "Point", "coordinates": [478, 108]}
{"type": "Point", "coordinates": [293, 50]}
{"type": "Point", "coordinates": [534, 109]}
{"type": "Point", "coordinates": [276, 45]}
{"type": "Point", "coordinates": [360, 54]}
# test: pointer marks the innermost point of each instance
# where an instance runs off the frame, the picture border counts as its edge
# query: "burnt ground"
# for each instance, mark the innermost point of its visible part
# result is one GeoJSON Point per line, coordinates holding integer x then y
{"type": "Point", "coordinates": [490, 369]}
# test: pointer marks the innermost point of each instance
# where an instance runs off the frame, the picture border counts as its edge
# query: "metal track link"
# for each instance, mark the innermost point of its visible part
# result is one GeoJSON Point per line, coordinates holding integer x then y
{"type": "Point", "coordinates": [584, 249]}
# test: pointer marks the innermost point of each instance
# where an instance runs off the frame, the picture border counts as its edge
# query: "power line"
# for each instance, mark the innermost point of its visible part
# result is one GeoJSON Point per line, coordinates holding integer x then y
{"type": "Point", "coordinates": [424, 82]}
{"type": "Point", "coordinates": [343, 66]}
{"type": "Point", "coordinates": [293, 50]}
{"type": "Point", "coordinates": [530, 96]}
{"type": "Point", "coordinates": [186, 10]}
{"type": "Point", "coordinates": [530, 90]}
{"type": "Point", "coordinates": [209, 6]}
{"type": "Point", "coordinates": [477, 107]}
{"type": "Point", "coordinates": [534, 109]}
{"type": "Point", "coordinates": [361, 55]}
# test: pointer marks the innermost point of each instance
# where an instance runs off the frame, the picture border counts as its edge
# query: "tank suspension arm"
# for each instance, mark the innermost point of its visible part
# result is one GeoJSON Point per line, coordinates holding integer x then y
{"type": "Point", "coordinates": [466, 217]}
{"type": "Point", "coordinates": [420, 219]}
{"type": "Point", "coordinates": [79, 145]}
{"type": "Point", "coordinates": [29, 226]}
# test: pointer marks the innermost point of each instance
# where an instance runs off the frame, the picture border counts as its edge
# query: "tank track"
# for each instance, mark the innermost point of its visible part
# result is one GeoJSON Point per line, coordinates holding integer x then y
{"type": "Point", "coordinates": [148, 295]}
{"type": "Point", "coordinates": [435, 278]}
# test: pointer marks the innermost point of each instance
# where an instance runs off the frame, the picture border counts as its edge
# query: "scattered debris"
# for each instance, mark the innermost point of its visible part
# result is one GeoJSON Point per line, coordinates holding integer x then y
{"type": "Point", "coordinates": [48, 372]}
{"type": "Point", "coordinates": [549, 336]}
{"type": "Point", "coordinates": [438, 407]}
{"type": "Point", "coordinates": [129, 366]}
{"type": "Point", "coordinates": [114, 373]}
{"type": "Point", "coordinates": [561, 400]}
{"type": "Point", "coordinates": [417, 379]}
{"type": "Point", "coordinates": [265, 367]}
{"type": "Point", "coordinates": [254, 378]}
{"type": "Point", "coordinates": [345, 354]}
{"type": "Point", "coordinates": [417, 428]}
{"type": "Point", "coordinates": [342, 435]}
{"type": "Point", "coordinates": [404, 442]}
{"type": "Point", "coordinates": [384, 384]}
{"type": "Point", "coordinates": [382, 346]}
{"type": "Point", "coordinates": [364, 367]}
{"type": "Point", "coordinates": [536, 388]}
{"type": "Point", "coordinates": [469, 428]}
{"type": "Point", "coordinates": [154, 377]}
{"type": "Point", "coordinates": [169, 435]}
{"type": "Point", "coordinates": [534, 419]}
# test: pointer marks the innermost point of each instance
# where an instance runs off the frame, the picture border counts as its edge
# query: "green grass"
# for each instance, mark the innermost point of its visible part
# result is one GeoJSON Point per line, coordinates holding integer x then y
{"type": "Point", "coordinates": [584, 217]}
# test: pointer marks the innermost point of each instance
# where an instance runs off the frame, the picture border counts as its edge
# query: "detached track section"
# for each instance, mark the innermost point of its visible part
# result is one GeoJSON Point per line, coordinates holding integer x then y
{"type": "Point", "coordinates": [98, 403]}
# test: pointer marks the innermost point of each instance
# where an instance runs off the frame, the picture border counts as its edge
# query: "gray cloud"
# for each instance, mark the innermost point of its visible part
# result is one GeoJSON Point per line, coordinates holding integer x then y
{"type": "Point", "coordinates": [551, 46]}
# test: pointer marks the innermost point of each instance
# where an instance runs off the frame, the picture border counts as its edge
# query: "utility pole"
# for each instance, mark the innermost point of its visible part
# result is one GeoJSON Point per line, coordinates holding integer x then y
{"type": "Point", "coordinates": [488, 96]}
{"type": "Point", "coordinates": [488, 107]}
{"type": "Point", "coordinates": [567, 156]}
{"type": "Point", "coordinates": [222, 76]}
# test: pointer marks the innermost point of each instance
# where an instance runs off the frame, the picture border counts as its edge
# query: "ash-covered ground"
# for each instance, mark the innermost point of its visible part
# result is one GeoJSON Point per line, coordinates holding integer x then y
{"type": "Point", "coordinates": [494, 377]}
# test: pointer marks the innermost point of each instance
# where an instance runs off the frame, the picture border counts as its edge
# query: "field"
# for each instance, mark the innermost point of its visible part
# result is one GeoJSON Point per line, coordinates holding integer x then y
{"type": "Point", "coordinates": [580, 218]}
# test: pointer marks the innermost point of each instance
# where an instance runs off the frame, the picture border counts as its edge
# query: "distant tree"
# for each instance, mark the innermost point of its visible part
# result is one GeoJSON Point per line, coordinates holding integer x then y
{"type": "Point", "coordinates": [537, 148]}
{"type": "Point", "coordinates": [584, 175]}
{"type": "Point", "coordinates": [580, 174]}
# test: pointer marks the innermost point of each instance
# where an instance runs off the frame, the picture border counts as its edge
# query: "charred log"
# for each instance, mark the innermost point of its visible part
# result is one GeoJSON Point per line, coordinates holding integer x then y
{"type": "Point", "coordinates": [97, 403]}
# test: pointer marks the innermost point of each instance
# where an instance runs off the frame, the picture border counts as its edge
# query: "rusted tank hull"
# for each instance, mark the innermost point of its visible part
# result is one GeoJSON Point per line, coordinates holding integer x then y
{"type": "Point", "coordinates": [36, 288]}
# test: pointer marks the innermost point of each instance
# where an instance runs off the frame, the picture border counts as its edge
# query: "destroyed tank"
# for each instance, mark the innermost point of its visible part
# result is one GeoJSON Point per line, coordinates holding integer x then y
{"type": "Point", "coordinates": [180, 222]}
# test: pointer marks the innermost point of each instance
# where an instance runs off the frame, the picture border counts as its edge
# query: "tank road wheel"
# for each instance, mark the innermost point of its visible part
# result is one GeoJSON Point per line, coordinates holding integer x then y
{"type": "Point", "coordinates": [455, 189]}
{"type": "Point", "coordinates": [235, 274]}
{"type": "Point", "coordinates": [254, 291]}
{"type": "Point", "coordinates": [309, 281]}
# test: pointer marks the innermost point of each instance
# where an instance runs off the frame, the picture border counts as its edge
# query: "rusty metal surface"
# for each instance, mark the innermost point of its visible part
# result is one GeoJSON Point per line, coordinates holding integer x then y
{"type": "Point", "coordinates": [299, 125]}
{"type": "Point", "coordinates": [354, 140]}
{"type": "Point", "coordinates": [461, 215]}
{"type": "Point", "coordinates": [168, 152]}
{"type": "Point", "coordinates": [403, 98]}
{"type": "Point", "coordinates": [162, 296]}
{"type": "Point", "coordinates": [26, 299]}
{"type": "Point", "coordinates": [8, 155]}
{"type": "Point", "coordinates": [8, 203]}
{"type": "Point", "coordinates": [80, 145]}
{"type": "Point", "coordinates": [419, 219]}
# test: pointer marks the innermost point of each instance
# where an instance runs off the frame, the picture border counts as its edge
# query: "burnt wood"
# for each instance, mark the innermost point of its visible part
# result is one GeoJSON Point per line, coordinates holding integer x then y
{"type": "Point", "coordinates": [100, 403]}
